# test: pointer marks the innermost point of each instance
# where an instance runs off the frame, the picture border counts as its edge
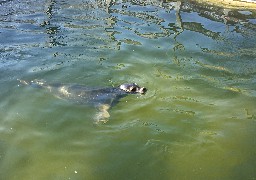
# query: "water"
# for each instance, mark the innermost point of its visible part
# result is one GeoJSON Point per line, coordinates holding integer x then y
{"type": "Point", "coordinates": [197, 120]}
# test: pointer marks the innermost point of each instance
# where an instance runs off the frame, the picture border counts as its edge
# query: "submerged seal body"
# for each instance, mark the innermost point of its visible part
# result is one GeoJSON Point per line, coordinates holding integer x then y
{"type": "Point", "coordinates": [101, 98]}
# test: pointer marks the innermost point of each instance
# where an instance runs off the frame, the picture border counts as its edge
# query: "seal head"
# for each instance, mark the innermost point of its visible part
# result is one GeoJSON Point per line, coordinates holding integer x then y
{"type": "Point", "coordinates": [133, 88]}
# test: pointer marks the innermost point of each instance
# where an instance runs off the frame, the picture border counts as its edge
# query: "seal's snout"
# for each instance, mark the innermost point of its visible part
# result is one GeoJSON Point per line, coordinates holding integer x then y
{"type": "Point", "coordinates": [143, 90]}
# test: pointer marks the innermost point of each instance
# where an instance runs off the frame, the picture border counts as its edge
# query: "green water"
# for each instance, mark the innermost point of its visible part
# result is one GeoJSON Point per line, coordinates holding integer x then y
{"type": "Point", "coordinates": [197, 120]}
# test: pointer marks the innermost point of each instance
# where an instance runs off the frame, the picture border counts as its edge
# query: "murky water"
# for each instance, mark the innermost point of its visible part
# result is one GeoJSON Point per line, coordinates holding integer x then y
{"type": "Point", "coordinates": [197, 120]}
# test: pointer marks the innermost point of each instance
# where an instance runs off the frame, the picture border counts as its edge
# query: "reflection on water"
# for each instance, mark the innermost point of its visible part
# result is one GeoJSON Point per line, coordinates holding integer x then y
{"type": "Point", "coordinates": [196, 121]}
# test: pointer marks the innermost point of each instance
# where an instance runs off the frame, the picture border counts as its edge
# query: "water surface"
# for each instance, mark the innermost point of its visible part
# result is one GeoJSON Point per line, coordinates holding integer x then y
{"type": "Point", "coordinates": [197, 120]}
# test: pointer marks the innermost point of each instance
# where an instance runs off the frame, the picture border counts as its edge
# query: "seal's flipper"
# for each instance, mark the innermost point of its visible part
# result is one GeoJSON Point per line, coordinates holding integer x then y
{"type": "Point", "coordinates": [23, 82]}
{"type": "Point", "coordinates": [35, 83]}
{"type": "Point", "coordinates": [103, 114]}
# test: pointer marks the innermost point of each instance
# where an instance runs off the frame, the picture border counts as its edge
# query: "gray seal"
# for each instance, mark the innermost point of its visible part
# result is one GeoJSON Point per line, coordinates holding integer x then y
{"type": "Point", "coordinates": [101, 98]}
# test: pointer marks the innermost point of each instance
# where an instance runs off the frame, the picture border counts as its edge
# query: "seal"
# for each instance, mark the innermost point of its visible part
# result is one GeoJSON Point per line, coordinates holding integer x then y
{"type": "Point", "coordinates": [101, 98]}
